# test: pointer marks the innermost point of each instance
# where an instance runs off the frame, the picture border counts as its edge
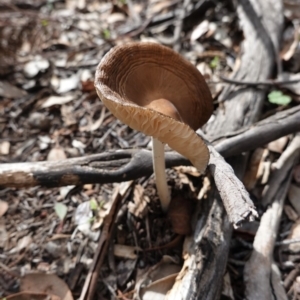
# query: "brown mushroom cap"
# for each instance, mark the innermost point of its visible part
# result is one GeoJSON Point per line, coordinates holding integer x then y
{"type": "Point", "coordinates": [154, 90]}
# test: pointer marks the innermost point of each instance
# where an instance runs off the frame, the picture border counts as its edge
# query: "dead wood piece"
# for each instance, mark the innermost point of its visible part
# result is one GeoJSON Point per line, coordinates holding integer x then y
{"type": "Point", "coordinates": [256, 84]}
{"type": "Point", "coordinates": [204, 253]}
{"type": "Point", "coordinates": [258, 269]}
{"type": "Point", "coordinates": [260, 133]}
{"type": "Point", "coordinates": [234, 195]}
{"type": "Point", "coordinates": [77, 171]}
{"type": "Point", "coordinates": [133, 164]}
{"type": "Point", "coordinates": [282, 168]}
{"type": "Point", "coordinates": [90, 284]}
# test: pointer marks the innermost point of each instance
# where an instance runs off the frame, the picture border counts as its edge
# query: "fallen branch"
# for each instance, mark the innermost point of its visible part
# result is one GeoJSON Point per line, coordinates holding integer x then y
{"type": "Point", "coordinates": [121, 165]}
{"type": "Point", "coordinates": [258, 270]}
{"type": "Point", "coordinates": [271, 82]}
{"type": "Point", "coordinates": [90, 284]}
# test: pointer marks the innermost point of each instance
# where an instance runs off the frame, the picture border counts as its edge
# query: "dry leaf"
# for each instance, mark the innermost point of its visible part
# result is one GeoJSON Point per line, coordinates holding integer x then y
{"type": "Point", "coordinates": [125, 251]}
{"type": "Point", "coordinates": [205, 188]}
{"type": "Point", "coordinates": [289, 43]}
{"type": "Point", "coordinates": [162, 277]}
{"type": "Point", "coordinates": [124, 187]}
{"type": "Point", "coordinates": [190, 170]}
{"type": "Point", "coordinates": [278, 145]}
{"type": "Point", "coordinates": [8, 90]}
{"type": "Point", "coordinates": [139, 206]}
{"type": "Point", "coordinates": [290, 212]}
{"type": "Point", "coordinates": [46, 283]}
{"type": "Point", "coordinates": [255, 168]}
{"type": "Point", "coordinates": [23, 243]}
{"type": "Point", "coordinates": [3, 207]}
{"type": "Point", "coordinates": [158, 289]}
{"type": "Point", "coordinates": [179, 213]}
{"type": "Point", "coordinates": [56, 153]}
{"type": "Point", "coordinates": [200, 30]}
{"type": "Point", "coordinates": [56, 100]}
{"type": "Point", "coordinates": [3, 234]}
{"type": "Point", "coordinates": [63, 85]}
{"type": "Point", "coordinates": [4, 148]}
{"type": "Point", "coordinates": [294, 234]}
{"type": "Point", "coordinates": [67, 113]}
{"type": "Point", "coordinates": [32, 296]}
{"type": "Point", "coordinates": [32, 68]}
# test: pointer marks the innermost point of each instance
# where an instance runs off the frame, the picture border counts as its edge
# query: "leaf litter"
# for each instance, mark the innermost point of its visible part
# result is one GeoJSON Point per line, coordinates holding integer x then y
{"type": "Point", "coordinates": [49, 111]}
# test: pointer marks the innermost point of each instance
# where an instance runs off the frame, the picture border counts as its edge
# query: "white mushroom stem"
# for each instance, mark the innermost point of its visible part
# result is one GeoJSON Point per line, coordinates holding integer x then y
{"type": "Point", "coordinates": [159, 166]}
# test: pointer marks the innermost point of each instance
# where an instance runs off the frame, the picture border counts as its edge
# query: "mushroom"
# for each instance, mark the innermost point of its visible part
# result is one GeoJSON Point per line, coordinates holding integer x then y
{"type": "Point", "coordinates": [154, 90]}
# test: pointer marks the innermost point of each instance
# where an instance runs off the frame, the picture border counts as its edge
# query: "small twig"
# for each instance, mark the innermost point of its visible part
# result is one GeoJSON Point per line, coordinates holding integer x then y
{"type": "Point", "coordinates": [258, 269]}
{"type": "Point", "coordinates": [179, 25]}
{"type": "Point", "coordinates": [282, 168]}
{"type": "Point", "coordinates": [270, 82]}
{"type": "Point", "coordinates": [287, 242]}
{"type": "Point", "coordinates": [90, 284]}
{"type": "Point", "coordinates": [259, 134]}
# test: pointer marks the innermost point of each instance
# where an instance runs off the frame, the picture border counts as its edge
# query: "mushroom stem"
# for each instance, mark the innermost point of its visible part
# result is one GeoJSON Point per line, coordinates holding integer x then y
{"type": "Point", "coordinates": [158, 157]}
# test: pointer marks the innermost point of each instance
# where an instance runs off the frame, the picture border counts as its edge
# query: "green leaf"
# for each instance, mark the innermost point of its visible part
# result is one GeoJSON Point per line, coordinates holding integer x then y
{"type": "Point", "coordinates": [93, 204]}
{"type": "Point", "coordinates": [61, 210]}
{"type": "Point", "coordinates": [44, 22]}
{"type": "Point", "coordinates": [106, 33]}
{"type": "Point", "coordinates": [214, 62]}
{"type": "Point", "coordinates": [276, 97]}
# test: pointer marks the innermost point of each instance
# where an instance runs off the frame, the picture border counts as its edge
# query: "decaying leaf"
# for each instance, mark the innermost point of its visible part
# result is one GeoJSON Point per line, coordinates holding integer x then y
{"type": "Point", "coordinates": [294, 234]}
{"type": "Point", "coordinates": [4, 148]}
{"type": "Point", "coordinates": [3, 207]}
{"type": "Point", "coordinates": [157, 290]}
{"type": "Point", "coordinates": [63, 85]}
{"type": "Point", "coordinates": [10, 91]}
{"type": "Point", "coordinates": [205, 188]}
{"type": "Point", "coordinates": [32, 296]}
{"type": "Point", "coordinates": [179, 213]}
{"type": "Point", "coordinates": [34, 67]}
{"type": "Point", "coordinates": [56, 153]}
{"type": "Point", "coordinates": [46, 283]}
{"type": "Point", "coordinates": [3, 234]}
{"type": "Point", "coordinates": [158, 280]}
{"type": "Point", "coordinates": [125, 251]}
{"type": "Point", "coordinates": [68, 115]}
{"type": "Point", "coordinates": [139, 206]}
{"type": "Point", "coordinates": [278, 145]}
{"type": "Point", "coordinates": [255, 168]}
{"type": "Point", "coordinates": [57, 100]}
{"type": "Point", "coordinates": [290, 212]}
{"type": "Point", "coordinates": [61, 210]}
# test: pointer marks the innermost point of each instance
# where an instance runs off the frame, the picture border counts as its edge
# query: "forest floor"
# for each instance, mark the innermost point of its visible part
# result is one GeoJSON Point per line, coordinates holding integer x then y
{"type": "Point", "coordinates": [49, 111]}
